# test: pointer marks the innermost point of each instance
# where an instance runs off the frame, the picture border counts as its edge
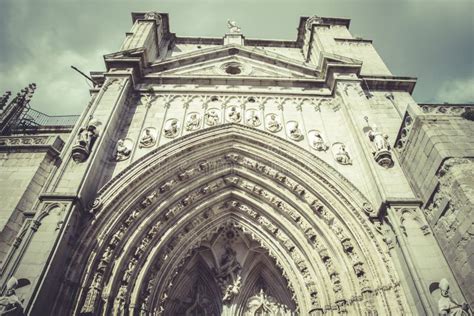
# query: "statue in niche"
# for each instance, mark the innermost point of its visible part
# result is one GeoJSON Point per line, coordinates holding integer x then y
{"type": "Point", "coordinates": [253, 119]}
{"type": "Point", "coordinates": [317, 141]}
{"type": "Point", "coordinates": [193, 122]}
{"type": "Point", "coordinates": [233, 27]}
{"type": "Point", "coordinates": [171, 128]}
{"type": "Point", "coordinates": [294, 131]}
{"type": "Point", "coordinates": [381, 146]}
{"type": "Point", "coordinates": [212, 117]}
{"type": "Point", "coordinates": [124, 149]}
{"type": "Point", "coordinates": [228, 274]}
{"type": "Point", "coordinates": [10, 303]}
{"type": "Point", "coordinates": [234, 114]}
{"type": "Point", "coordinates": [148, 138]}
{"type": "Point", "coordinates": [340, 154]}
{"type": "Point", "coordinates": [446, 304]}
{"type": "Point", "coordinates": [273, 124]}
{"type": "Point", "coordinates": [84, 142]}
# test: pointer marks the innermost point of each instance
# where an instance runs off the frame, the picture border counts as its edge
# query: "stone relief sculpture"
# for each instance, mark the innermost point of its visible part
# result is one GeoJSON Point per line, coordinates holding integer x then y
{"type": "Point", "coordinates": [233, 27]}
{"type": "Point", "coordinates": [10, 304]}
{"type": "Point", "coordinates": [263, 304]}
{"type": "Point", "coordinates": [446, 304]}
{"type": "Point", "coordinates": [273, 123]}
{"type": "Point", "coordinates": [193, 121]}
{"type": "Point", "coordinates": [85, 141]}
{"type": "Point", "coordinates": [148, 138]}
{"type": "Point", "coordinates": [316, 140]}
{"type": "Point", "coordinates": [380, 146]}
{"type": "Point", "coordinates": [234, 114]}
{"type": "Point", "coordinates": [294, 130]}
{"type": "Point", "coordinates": [212, 117]}
{"type": "Point", "coordinates": [171, 128]}
{"type": "Point", "coordinates": [253, 118]}
{"type": "Point", "coordinates": [340, 154]}
{"type": "Point", "coordinates": [124, 149]}
{"type": "Point", "coordinates": [228, 274]}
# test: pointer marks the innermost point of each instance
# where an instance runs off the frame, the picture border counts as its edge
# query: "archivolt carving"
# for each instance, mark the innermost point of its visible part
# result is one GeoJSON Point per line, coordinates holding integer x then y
{"type": "Point", "coordinates": [296, 218]}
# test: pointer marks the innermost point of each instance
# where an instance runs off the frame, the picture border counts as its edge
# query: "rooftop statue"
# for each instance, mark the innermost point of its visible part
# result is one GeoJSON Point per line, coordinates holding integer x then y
{"type": "Point", "coordinates": [233, 27]}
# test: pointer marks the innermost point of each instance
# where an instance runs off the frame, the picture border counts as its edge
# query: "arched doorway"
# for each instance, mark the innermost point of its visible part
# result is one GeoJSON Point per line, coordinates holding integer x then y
{"type": "Point", "coordinates": [232, 221]}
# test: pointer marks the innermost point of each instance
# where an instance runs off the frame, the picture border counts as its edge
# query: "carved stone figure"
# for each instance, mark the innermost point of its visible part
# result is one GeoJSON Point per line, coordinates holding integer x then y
{"type": "Point", "coordinates": [212, 117]}
{"type": "Point", "coordinates": [263, 304]}
{"type": "Point", "coordinates": [92, 294]}
{"type": "Point", "coordinates": [234, 115]}
{"type": "Point", "coordinates": [317, 141]}
{"type": "Point", "coordinates": [253, 119]}
{"type": "Point", "coordinates": [84, 142]}
{"type": "Point", "coordinates": [193, 122]}
{"type": "Point", "coordinates": [228, 273]}
{"type": "Point", "coordinates": [148, 138]}
{"type": "Point", "coordinates": [10, 304]}
{"type": "Point", "coordinates": [233, 27]}
{"type": "Point", "coordinates": [446, 304]}
{"type": "Point", "coordinates": [273, 124]}
{"type": "Point", "coordinates": [341, 155]}
{"type": "Point", "coordinates": [123, 150]}
{"type": "Point", "coordinates": [294, 131]}
{"type": "Point", "coordinates": [381, 147]}
{"type": "Point", "coordinates": [171, 128]}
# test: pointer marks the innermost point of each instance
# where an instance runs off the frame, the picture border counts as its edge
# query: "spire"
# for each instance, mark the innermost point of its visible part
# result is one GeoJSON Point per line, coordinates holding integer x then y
{"type": "Point", "coordinates": [11, 112]}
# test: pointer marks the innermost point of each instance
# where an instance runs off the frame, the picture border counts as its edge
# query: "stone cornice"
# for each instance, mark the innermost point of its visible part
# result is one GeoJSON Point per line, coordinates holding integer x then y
{"type": "Point", "coordinates": [52, 144]}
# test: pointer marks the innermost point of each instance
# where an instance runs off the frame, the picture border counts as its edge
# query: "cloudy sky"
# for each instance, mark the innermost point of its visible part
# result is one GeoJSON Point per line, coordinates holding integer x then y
{"type": "Point", "coordinates": [39, 39]}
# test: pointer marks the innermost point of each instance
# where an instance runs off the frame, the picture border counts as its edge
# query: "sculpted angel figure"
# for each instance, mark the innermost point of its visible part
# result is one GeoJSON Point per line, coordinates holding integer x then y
{"type": "Point", "coordinates": [254, 119]}
{"type": "Point", "coordinates": [318, 142]}
{"type": "Point", "coordinates": [193, 122]}
{"type": "Point", "coordinates": [342, 156]}
{"type": "Point", "coordinates": [212, 118]}
{"type": "Point", "coordinates": [295, 132]}
{"type": "Point", "coordinates": [147, 139]}
{"type": "Point", "coordinates": [172, 129]}
{"type": "Point", "coordinates": [123, 152]}
{"type": "Point", "coordinates": [234, 114]}
{"type": "Point", "coordinates": [273, 125]}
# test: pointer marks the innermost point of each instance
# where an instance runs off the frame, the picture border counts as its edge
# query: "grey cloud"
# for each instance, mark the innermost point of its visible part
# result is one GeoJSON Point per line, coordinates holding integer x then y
{"type": "Point", "coordinates": [39, 40]}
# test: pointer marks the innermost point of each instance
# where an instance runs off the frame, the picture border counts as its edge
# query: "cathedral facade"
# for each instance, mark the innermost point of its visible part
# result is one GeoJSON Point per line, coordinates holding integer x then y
{"type": "Point", "coordinates": [237, 176]}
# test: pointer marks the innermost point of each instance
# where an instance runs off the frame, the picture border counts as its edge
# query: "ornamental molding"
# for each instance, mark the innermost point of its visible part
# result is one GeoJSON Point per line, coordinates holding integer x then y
{"type": "Point", "coordinates": [49, 143]}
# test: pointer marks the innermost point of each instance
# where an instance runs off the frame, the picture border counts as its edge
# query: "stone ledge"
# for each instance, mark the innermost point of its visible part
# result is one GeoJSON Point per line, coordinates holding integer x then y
{"type": "Point", "coordinates": [52, 144]}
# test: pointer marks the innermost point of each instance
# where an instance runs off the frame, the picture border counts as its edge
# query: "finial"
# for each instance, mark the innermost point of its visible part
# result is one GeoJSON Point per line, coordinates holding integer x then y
{"type": "Point", "coordinates": [233, 27]}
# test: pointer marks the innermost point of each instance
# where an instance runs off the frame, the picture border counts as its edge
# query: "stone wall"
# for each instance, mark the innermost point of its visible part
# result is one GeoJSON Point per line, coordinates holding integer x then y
{"type": "Point", "coordinates": [436, 149]}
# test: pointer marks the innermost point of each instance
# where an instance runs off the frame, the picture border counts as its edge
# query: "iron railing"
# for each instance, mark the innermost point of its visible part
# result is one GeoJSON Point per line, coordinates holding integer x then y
{"type": "Point", "coordinates": [34, 118]}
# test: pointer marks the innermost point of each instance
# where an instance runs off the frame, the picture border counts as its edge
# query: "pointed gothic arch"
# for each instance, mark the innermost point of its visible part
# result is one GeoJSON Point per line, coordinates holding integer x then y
{"type": "Point", "coordinates": [309, 222]}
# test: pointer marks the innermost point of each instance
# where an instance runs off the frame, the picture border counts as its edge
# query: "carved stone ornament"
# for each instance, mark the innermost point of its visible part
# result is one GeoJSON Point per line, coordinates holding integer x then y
{"type": "Point", "coordinates": [233, 114]}
{"type": "Point", "coordinates": [124, 149]}
{"type": "Point", "coordinates": [253, 118]}
{"type": "Point", "coordinates": [85, 141]}
{"type": "Point", "coordinates": [313, 20]}
{"type": "Point", "coordinates": [340, 154]}
{"type": "Point", "coordinates": [272, 123]}
{"type": "Point", "coordinates": [171, 128]}
{"type": "Point", "coordinates": [193, 121]}
{"type": "Point", "coordinates": [294, 131]}
{"type": "Point", "coordinates": [446, 304]}
{"type": "Point", "coordinates": [233, 27]}
{"type": "Point", "coordinates": [152, 15]}
{"type": "Point", "coordinates": [212, 117]}
{"type": "Point", "coordinates": [316, 140]}
{"type": "Point", "coordinates": [381, 147]}
{"type": "Point", "coordinates": [263, 304]}
{"type": "Point", "coordinates": [148, 138]}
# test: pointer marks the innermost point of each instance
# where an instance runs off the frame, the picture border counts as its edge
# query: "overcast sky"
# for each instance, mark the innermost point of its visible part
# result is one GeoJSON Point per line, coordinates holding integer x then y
{"type": "Point", "coordinates": [40, 39]}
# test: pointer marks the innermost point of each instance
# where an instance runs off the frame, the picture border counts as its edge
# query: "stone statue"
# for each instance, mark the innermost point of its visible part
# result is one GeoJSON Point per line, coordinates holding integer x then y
{"type": "Point", "coordinates": [232, 26]}
{"type": "Point", "coordinates": [171, 130]}
{"type": "Point", "coordinates": [193, 122]}
{"type": "Point", "coordinates": [381, 147]}
{"type": "Point", "coordinates": [123, 152]}
{"type": "Point", "coordinates": [318, 142]}
{"type": "Point", "coordinates": [273, 125]}
{"type": "Point", "coordinates": [228, 274]}
{"type": "Point", "coordinates": [295, 132]}
{"type": "Point", "coordinates": [446, 304]}
{"type": "Point", "coordinates": [234, 115]}
{"type": "Point", "coordinates": [148, 139]}
{"type": "Point", "coordinates": [212, 117]}
{"type": "Point", "coordinates": [253, 119]}
{"type": "Point", "coordinates": [84, 142]}
{"type": "Point", "coordinates": [10, 304]}
{"type": "Point", "coordinates": [341, 155]}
